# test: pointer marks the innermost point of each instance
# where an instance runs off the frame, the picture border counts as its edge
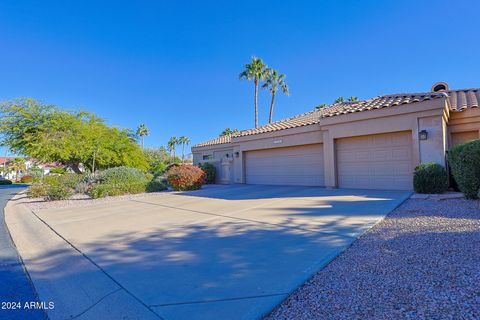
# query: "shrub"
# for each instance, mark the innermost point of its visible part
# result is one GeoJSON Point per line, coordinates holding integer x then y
{"type": "Point", "coordinates": [58, 192]}
{"type": "Point", "coordinates": [464, 160]}
{"type": "Point", "coordinates": [122, 175]}
{"type": "Point", "coordinates": [210, 172]}
{"type": "Point", "coordinates": [70, 180]}
{"type": "Point", "coordinates": [185, 177]}
{"type": "Point", "coordinates": [26, 179]}
{"type": "Point", "coordinates": [37, 190]}
{"type": "Point", "coordinates": [160, 168]}
{"type": "Point", "coordinates": [103, 190]}
{"type": "Point", "coordinates": [430, 178]}
{"type": "Point", "coordinates": [58, 170]}
{"type": "Point", "coordinates": [157, 184]}
{"type": "Point", "coordinates": [4, 182]}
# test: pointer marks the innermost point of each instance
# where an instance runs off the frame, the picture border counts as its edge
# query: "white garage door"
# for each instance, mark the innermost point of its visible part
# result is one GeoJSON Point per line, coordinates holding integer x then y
{"type": "Point", "coordinates": [382, 161]}
{"type": "Point", "coordinates": [300, 166]}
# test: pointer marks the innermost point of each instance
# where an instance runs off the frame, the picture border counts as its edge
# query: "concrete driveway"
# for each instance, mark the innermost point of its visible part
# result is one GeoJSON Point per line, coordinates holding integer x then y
{"type": "Point", "coordinates": [223, 252]}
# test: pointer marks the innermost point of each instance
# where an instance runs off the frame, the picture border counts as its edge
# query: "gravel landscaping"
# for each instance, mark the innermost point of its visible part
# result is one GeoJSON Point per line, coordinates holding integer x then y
{"type": "Point", "coordinates": [421, 262]}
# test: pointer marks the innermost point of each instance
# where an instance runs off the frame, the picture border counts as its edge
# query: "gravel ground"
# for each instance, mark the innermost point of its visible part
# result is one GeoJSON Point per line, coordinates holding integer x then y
{"type": "Point", "coordinates": [421, 262]}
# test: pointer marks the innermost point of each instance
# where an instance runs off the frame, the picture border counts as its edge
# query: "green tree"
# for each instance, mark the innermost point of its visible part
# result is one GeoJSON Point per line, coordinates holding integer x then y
{"type": "Point", "coordinates": [18, 166]}
{"type": "Point", "coordinates": [273, 82]}
{"type": "Point", "coordinates": [51, 134]}
{"type": "Point", "coordinates": [339, 100]}
{"type": "Point", "coordinates": [142, 131]}
{"type": "Point", "coordinates": [352, 98]}
{"type": "Point", "coordinates": [255, 71]}
{"type": "Point", "coordinates": [172, 143]}
{"type": "Point", "coordinates": [183, 140]}
{"type": "Point", "coordinates": [227, 132]}
{"type": "Point", "coordinates": [157, 158]}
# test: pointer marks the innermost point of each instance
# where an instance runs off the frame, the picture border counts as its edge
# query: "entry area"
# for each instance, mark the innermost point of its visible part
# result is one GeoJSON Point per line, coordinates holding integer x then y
{"type": "Point", "coordinates": [381, 161]}
{"type": "Point", "coordinates": [294, 166]}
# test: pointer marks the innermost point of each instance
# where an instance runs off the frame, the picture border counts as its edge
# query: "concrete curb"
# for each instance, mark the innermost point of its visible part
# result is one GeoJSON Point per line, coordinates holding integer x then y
{"type": "Point", "coordinates": [61, 274]}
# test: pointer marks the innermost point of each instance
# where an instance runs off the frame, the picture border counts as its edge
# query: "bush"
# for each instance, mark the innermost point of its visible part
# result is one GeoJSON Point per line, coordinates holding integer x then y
{"type": "Point", "coordinates": [70, 180]}
{"type": "Point", "coordinates": [430, 178]}
{"type": "Point", "coordinates": [157, 184]}
{"type": "Point", "coordinates": [58, 192]}
{"type": "Point", "coordinates": [58, 170]}
{"type": "Point", "coordinates": [210, 172]}
{"type": "Point", "coordinates": [185, 177]}
{"type": "Point", "coordinates": [464, 160]}
{"type": "Point", "coordinates": [122, 175]}
{"type": "Point", "coordinates": [4, 182]}
{"type": "Point", "coordinates": [26, 179]}
{"type": "Point", "coordinates": [38, 190]}
{"type": "Point", "coordinates": [103, 190]}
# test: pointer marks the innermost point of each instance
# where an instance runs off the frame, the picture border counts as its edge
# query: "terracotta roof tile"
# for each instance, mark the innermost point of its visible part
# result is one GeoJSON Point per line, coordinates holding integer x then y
{"type": "Point", "coordinates": [459, 100]}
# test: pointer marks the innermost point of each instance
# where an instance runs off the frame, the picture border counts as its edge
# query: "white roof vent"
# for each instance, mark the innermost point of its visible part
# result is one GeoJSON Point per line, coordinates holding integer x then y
{"type": "Point", "coordinates": [440, 86]}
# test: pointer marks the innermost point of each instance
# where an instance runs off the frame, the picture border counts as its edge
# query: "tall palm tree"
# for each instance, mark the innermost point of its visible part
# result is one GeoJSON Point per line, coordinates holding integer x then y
{"type": "Point", "coordinates": [273, 82]}
{"type": "Point", "coordinates": [339, 100]}
{"type": "Point", "coordinates": [227, 132]}
{"type": "Point", "coordinates": [256, 71]}
{"type": "Point", "coordinates": [142, 131]}
{"type": "Point", "coordinates": [171, 146]}
{"type": "Point", "coordinates": [184, 141]}
{"type": "Point", "coordinates": [352, 98]}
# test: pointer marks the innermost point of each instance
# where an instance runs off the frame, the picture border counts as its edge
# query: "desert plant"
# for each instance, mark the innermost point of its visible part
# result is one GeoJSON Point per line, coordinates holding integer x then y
{"type": "Point", "coordinates": [464, 160]}
{"type": "Point", "coordinates": [122, 175]}
{"type": "Point", "coordinates": [37, 190]}
{"type": "Point", "coordinates": [430, 178]}
{"type": "Point", "coordinates": [26, 179]}
{"type": "Point", "coordinates": [58, 170]}
{"type": "Point", "coordinates": [104, 190]}
{"type": "Point", "coordinates": [4, 182]}
{"type": "Point", "coordinates": [58, 192]}
{"type": "Point", "coordinates": [210, 172]}
{"type": "Point", "coordinates": [185, 177]}
{"type": "Point", "coordinates": [157, 184]}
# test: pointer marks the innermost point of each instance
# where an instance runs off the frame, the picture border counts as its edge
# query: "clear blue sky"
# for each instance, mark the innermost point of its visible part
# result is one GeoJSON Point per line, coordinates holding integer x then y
{"type": "Point", "coordinates": [174, 65]}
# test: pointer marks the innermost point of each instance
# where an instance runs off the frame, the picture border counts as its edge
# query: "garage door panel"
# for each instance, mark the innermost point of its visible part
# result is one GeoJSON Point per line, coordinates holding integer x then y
{"type": "Point", "coordinates": [375, 162]}
{"type": "Point", "coordinates": [300, 165]}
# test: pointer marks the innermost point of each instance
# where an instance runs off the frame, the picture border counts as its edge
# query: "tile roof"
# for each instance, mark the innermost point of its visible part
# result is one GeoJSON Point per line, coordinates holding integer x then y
{"type": "Point", "coordinates": [219, 140]}
{"type": "Point", "coordinates": [459, 100]}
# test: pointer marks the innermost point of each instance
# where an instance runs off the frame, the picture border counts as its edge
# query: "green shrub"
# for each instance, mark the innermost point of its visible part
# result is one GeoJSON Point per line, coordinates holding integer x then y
{"type": "Point", "coordinates": [185, 177]}
{"type": "Point", "coordinates": [122, 175]}
{"type": "Point", "coordinates": [4, 182]}
{"type": "Point", "coordinates": [103, 190]}
{"type": "Point", "coordinates": [26, 179]}
{"type": "Point", "coordinates": [430, 178]}
{"type": "Point", "coordinates": [58, 192]}
{"type": "Point", "coordinates": [58, 170]}
{"type": "Point", "coordinates": [160, 168]}
{"type": "Point", "coordinates": [210, 172]}
{"type": "Point", "coordinates": [157, 184]}
{"type": "Point", "coordinates": [38, 190]}
{"type": "Point", "coordinates": [36, 173]}
{"type": "Point", "coordinates": [464, 160]}
{"type": "Point", "coordinates": [70, 180]}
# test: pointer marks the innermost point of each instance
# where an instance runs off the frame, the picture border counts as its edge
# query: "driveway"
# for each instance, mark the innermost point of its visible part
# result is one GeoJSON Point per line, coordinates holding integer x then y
{"type": "Point", "coordinates": [223, 252]}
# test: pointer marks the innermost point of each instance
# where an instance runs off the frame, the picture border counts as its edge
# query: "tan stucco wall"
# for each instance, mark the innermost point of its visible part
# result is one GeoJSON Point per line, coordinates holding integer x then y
{"type": "Point", "coordinates": [429, 115]}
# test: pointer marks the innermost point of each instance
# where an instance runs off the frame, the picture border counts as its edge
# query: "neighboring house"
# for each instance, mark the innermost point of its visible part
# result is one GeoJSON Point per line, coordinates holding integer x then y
{"type": "Point", "coordinates": [370, 144]}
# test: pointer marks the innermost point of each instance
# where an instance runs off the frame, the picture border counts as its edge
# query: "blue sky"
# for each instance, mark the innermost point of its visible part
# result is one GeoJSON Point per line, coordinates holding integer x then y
{"type": "Point", "coordinates": [174, 65]}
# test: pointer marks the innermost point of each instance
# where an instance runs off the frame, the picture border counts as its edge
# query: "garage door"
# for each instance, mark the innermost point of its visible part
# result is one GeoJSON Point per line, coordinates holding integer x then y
{"type": "Point", "coordinates": [300, 166]}
{"type": "Point", "coordinates": [382, 161]}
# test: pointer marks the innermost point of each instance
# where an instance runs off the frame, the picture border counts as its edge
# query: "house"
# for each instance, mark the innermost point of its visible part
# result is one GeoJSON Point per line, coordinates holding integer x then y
{"type": "Point", "coordinates": [370, 144]}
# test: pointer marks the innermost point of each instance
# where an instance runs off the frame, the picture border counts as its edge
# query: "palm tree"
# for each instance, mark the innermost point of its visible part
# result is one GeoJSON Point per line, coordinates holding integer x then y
{"type": "Point", "coordinates": [339, 100]}
{"type": "Point", "coordinates": [227, 132]}
{"type": "Point", "coordinates": [184, 141]}
{"type": "Point", "coordinates": [273, 82]}
{"type": "Point", "coordinates": [352, 98]}
{"type": "Point", "coordinates": [171, 146]}
{"type": "Point", "coordinates": [256, 71]}
{"type": "Point", "coordinates": [320, 106]}
{"type": "Point", "coordinates": [17, 166]}
{"type": "Point", "coordinates": [142, 131]}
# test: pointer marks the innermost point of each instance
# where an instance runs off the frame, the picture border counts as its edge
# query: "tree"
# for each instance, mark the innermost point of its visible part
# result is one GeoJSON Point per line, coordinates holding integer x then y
{"type": "Point", "coordinates": [50, 134]}
{"type": "Point", "coordinates": [157, 158]}
{"type": "Point", "coordinates": [352, 98]}
{"type": "Point", "coordinates": [142, 131]}
{"type": "Point", "coordinates": [339, 100]}
{"type": "Point", "coordinates": [227, 132]}
{"type": "Point", "coordinates": [183, 140]}
{"type": "Point", "coordinates": [273, 82]}
{"type": "Point", "coordinates": [17, 165]}
{"type": "Point", "coordinates": [172, 143]}
{"type": "Point", "coordinates": [256, 71]}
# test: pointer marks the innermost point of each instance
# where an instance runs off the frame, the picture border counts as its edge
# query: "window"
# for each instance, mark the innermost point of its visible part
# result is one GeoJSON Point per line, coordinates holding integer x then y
{"type": "Point", "coordinates": [208, 157]}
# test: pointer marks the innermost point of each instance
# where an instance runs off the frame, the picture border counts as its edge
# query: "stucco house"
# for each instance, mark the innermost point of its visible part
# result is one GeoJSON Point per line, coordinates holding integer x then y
{"type": "Point", "coordinates": [370, 144]}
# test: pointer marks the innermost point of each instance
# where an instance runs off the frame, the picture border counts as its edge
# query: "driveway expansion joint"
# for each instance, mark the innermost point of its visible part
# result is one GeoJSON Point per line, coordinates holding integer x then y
{"type": "Point", "coordinates": [220, 300]}
{"type": "Point", "coordinates": [95, 303]}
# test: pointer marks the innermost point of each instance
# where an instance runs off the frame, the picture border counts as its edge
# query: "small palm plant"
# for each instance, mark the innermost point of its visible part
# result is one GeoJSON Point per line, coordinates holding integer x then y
{"type": "Point", "coordinates": [256, 70]}
{"type": "Point", "coordinates": [273, 82]}
{"type": "Point", "coordinates": [142, 131]}
{"type": "Point", "coordinates": [352, 98]}
{"type": "Point", "coordinates": [172, 143]}
{"type": "Point", "coordinates": [184, 141]}
{"type": "Point", "coordinates": [339, 100]}
{"type": "Point", "coordinates": [227, 132]}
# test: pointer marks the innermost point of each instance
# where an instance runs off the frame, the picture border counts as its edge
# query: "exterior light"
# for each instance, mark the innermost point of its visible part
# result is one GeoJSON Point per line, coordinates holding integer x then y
{"type": "Point", "coordinates": [423, 135]}
{"type": "Point", "coordinates": [237, 154]}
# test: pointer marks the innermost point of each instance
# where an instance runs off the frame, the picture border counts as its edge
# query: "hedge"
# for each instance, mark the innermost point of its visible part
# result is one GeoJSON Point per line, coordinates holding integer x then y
{"type": "Point", "coordinates": [464, 160]}
{"type": "Point", "coordinates": [430, 178]}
